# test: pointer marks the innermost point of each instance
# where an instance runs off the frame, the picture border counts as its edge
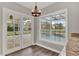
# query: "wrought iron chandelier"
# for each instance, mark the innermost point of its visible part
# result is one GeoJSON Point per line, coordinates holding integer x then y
{"type": "Point", "coordinates": [36, 12]}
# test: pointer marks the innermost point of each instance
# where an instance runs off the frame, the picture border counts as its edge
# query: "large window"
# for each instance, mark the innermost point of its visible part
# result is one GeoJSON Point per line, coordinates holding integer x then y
{"type": "Point", "coordinates": [53, 28]}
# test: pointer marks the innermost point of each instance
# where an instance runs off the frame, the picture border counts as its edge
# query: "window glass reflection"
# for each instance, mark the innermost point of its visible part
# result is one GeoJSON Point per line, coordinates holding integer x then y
{"type": "Point", "coordinates": [53, 27]}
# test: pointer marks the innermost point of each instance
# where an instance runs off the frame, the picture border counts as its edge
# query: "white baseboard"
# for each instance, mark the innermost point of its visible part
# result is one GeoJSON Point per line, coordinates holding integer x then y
{"type": "Point", "coordinates": [34, 44]}
{"type": "Point", "coordinates": [47, 48]}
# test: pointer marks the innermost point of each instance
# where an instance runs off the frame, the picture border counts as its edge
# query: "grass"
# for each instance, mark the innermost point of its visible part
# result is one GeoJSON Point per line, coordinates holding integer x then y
{"type": "Point", "coordinates": [10, 33]}
{"type": "Point", "coordinates": [53, 30]}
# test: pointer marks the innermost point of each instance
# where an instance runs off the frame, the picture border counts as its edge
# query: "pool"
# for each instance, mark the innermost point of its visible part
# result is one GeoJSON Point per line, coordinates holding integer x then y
{"type": "Point", "coordinates": [53, 37]}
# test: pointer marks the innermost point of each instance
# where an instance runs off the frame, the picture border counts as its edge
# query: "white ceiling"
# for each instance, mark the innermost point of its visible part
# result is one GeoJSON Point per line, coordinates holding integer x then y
{"type": "Point", "coordinates": [31, 5]}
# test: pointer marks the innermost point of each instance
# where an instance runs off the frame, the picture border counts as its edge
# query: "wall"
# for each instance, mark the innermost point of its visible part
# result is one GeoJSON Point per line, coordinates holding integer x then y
{"type": "Point", "coordinates": [36, 29]}
{"type": "Point", "coordinates": [14, 6]}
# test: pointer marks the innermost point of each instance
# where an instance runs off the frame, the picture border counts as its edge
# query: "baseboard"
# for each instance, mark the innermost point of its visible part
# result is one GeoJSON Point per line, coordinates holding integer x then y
{"type": "Point", "coordinates": [34, 44]}
{"type": "Point", "coordinates": [75, 34]}
{"type": "Point", "coordinates": [47, 48]}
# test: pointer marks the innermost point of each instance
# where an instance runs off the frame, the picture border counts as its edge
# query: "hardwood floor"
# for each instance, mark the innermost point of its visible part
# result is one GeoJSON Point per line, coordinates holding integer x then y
{"type": "Point", "coordinates": [34, 51]}
{"type": "Point", "coordinates": [73, 45]}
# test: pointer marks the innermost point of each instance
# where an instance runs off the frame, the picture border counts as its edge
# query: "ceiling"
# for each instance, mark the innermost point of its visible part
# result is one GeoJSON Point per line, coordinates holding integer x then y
{"type": "Point", "coordinates": [31, 5]}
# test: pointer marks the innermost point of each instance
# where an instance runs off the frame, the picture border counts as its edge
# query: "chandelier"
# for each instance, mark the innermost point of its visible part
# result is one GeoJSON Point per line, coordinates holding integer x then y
{"type": "Point", "coordinates": [36, 12]}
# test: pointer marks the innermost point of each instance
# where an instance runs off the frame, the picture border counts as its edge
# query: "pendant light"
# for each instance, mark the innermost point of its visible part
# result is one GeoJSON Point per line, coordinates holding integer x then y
{"type": "Point", "coordinates": [36, 12]}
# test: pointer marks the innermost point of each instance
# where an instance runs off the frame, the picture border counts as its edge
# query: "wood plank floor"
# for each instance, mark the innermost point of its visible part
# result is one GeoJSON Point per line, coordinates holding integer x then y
{"type": "Point", "coordinates": [34, 51]}
{"type": "Point", "coordinates": [73, 45]}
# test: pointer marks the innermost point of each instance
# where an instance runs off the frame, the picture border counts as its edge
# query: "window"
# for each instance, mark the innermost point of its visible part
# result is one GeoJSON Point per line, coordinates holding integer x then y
{"type": "Point", "coordinates": [53, 28]}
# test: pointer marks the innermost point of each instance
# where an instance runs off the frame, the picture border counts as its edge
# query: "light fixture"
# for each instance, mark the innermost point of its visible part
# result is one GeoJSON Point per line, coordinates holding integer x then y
{"type": "Point", "coordinates": [36, 12]}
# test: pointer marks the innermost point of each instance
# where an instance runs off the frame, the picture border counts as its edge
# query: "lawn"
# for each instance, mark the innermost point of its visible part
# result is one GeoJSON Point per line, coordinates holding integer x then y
{"type": "Point", "coordinates": [53, 30]}
{"type": "Point", "coordinates": [11, 33]}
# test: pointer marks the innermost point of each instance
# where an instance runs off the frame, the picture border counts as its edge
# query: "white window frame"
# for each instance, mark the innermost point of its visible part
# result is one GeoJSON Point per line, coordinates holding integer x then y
{"type": "Point", "coordinates": [67, 27]}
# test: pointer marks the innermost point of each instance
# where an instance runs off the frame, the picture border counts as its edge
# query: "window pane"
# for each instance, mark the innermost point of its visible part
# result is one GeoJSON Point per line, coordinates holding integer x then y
{"type": "Point", "coordinates": [26, 31]}
{"type": "Point", "coordinates": [16, 25]}
{"type": "Point", "coordinates": [27, 26]}
{"type": "Point", "coordinates": [58, 28]}
{"type": "Point", "coordinates": [10, 28]}
{"type": "Point", "coordinates": [10, 34]}
{"type": "Point", "coordinates": [17, 31]}
{"type": "Point", "coordinates": [43, 28]}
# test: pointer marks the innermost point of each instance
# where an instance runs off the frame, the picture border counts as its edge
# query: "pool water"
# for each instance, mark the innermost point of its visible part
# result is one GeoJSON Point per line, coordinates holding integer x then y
{"type": "Point", "coordinates": [53, 37]}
